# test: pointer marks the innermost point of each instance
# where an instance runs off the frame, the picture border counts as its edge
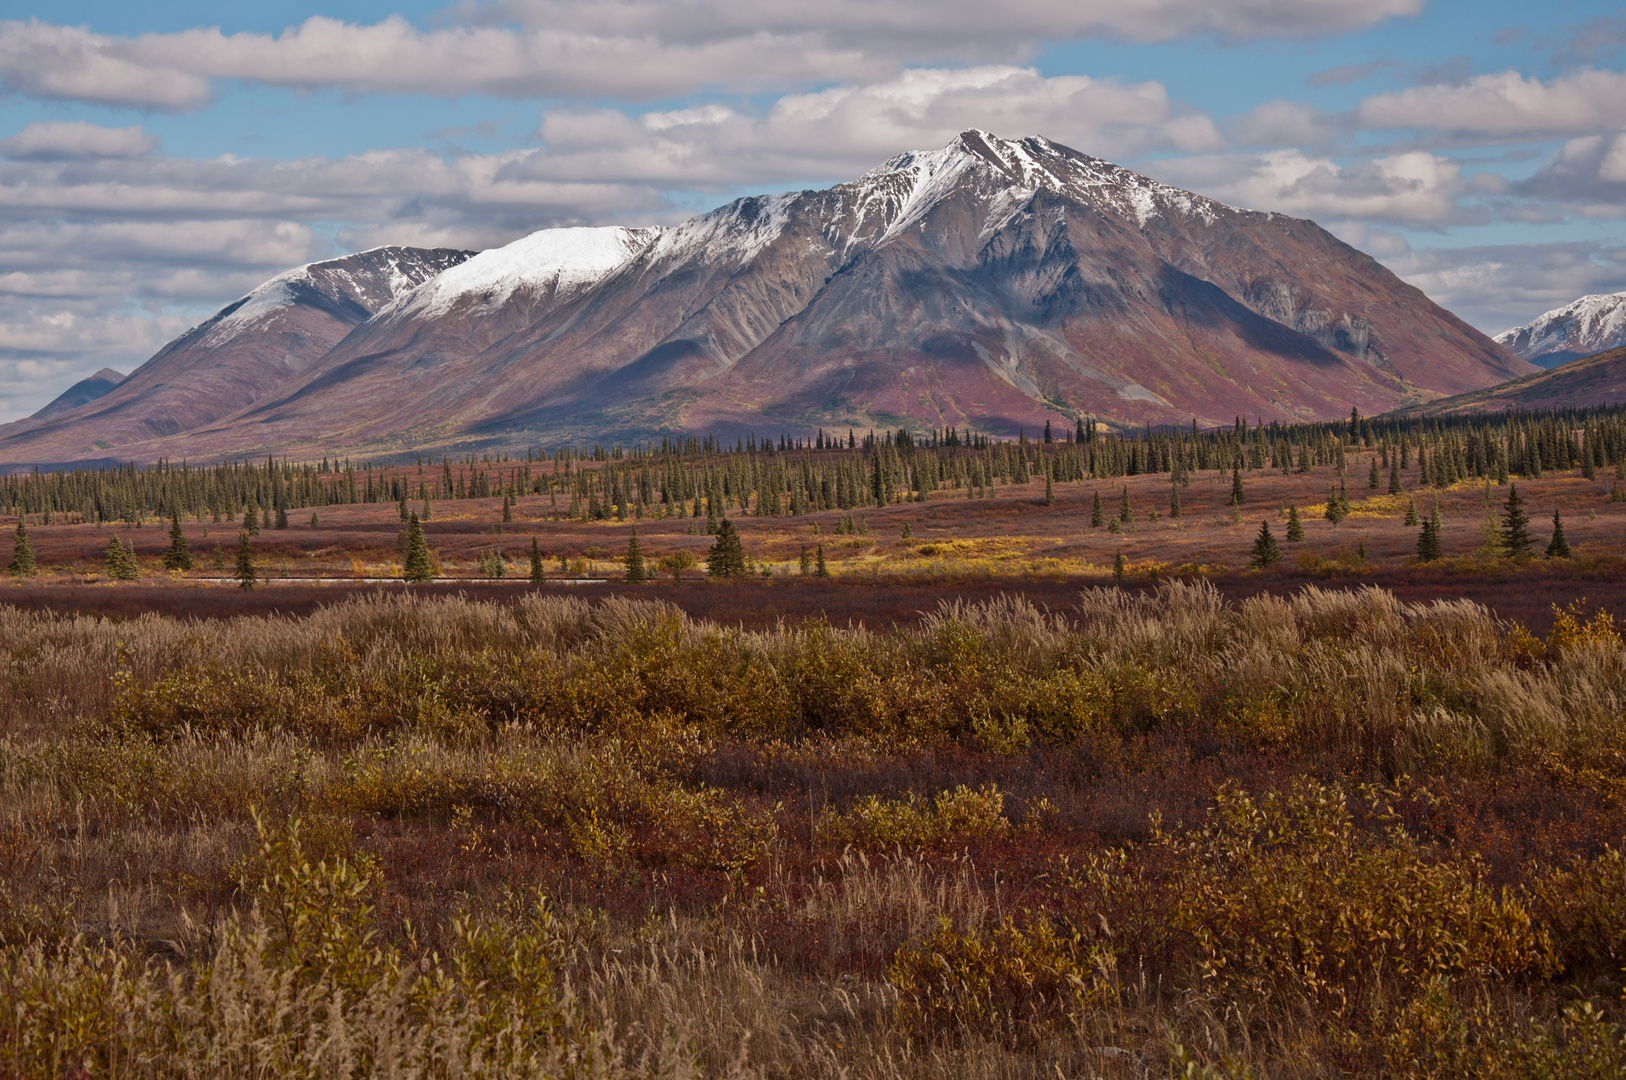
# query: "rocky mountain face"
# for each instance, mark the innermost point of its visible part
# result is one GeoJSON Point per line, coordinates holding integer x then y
{"type": "Point", "coordinates": [1580, 328]}
{"type": "Point", "coordinates": [248, 349]}
{"type": "Point", "coordinates": [989, 284]}
{"type": "Point", "coordinates": [1599, 379]}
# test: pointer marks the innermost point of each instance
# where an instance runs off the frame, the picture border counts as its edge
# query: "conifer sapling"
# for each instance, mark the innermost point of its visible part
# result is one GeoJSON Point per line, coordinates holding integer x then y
{"type": "Point", "coordinates": [22, 553]}
{"type": "Point", "coordinates": [727, 555]}
{"type": "Point", "coordinates": [1558, 547]}
{"type": "Point", "coordinates": [178, 557]}
{"type": "Point", "coordinates": [1515, 526]}
{"type": "Point", "coordinates": [417, 566]}
{"type": "Point", "coordinates": [635, 558]}
{"type": "Point", "coordinates": [247, 574]}
{"type": "Point", "coordinates": [1265, 551]}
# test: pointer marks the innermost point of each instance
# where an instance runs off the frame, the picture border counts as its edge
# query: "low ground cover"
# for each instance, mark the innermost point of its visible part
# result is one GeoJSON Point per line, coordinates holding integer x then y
{"type": "Point", "coordinates": [1139, 831]}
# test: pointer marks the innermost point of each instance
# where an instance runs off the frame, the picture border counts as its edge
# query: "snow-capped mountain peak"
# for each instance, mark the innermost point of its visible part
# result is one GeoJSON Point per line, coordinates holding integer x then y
{"type": "Point", "coordinates": [1582, 327]}
{"type": "Point", "coordinates": [365, 280]}
{"type": "Point", "coordinates": [562, 261]}
{"type": "Point", "coordinates": [889, 200]}
{"type": "Point", "coordinates": [266, 298]}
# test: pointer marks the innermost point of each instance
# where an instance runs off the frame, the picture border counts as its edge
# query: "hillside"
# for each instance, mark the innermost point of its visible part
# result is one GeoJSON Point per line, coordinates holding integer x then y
{"type": "Point", "coordinates": [1593, 381]}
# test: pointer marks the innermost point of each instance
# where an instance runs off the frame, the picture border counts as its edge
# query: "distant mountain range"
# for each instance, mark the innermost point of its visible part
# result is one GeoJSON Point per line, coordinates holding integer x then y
{"type": "Point", "coordinates": [1580, 328]}
{"type": "Point", "coordinates": [1599, 379]}
{"type": "Point", "coordinates": [990, 284]}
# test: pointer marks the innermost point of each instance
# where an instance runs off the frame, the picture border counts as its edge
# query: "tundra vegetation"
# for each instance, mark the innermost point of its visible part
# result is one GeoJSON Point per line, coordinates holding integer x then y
{"type": "Point", "coordinates": [902, 502]}
{"type": "Point", "coordinates": [1143, 833]}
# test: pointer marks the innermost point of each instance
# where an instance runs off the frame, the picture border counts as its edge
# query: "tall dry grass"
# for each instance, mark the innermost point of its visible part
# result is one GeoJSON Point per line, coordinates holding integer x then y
{"type": "Point", "coordinates": [1321, 834]}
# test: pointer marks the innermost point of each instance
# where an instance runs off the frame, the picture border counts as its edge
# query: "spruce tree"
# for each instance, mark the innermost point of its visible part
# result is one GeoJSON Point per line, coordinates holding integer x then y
{"type": "Point", "coordinates": [635, 558]}
{"type": "Point", "coordinates": [727, 555]}
{"type": "Point", "coordinates": [401, 508]}
{"type": "Point", "coordinates": [536, 563]}
{"type": "Point", "coordinates": [1372, 478]}
{"type": "Point", "coordinates": [1097, 517]}
{"type": "Point", "coordinates": [1174, 500]}
{"type": "Point", "coordinates": [1049, 489]}
{"type": "Point", "coordinates": [22, 553]}
{"type": "Point", "coordinates": [1515, 526]}
{"type": "Point", "coordinates": [819, 568]}
{"type": "Point", "coordinates": [1411, 513]}
{"type": "Point", "coordinates": [807, 562]}
{"type": "Point", "coordinates": [178, 557]}
{"type": "Point", "coordinates": [1428, 540]}
{"type": "Point", "coordinates": [1125, 513]}
{"type": "Point", "coordinates": [282, 517]}
{"type": "Point", "coordinates": [1265, 551]}
{"type": "Point", "coordinates": [417, 566]}
{"type": "Point", "coordinates": [1120, 567]}
{"type": "Point", "coordinates": [251, 520]}
{"type": "Point", "coordinates": [1295, 527]}
{"type": "Point", "coordinates": [1558, 547]}
{"type": "Point", "coordinates": [1394, 478]}
{"type": "Point", "coordinates": [1335, 507]}
{"type": "Point", "coordinates": [219, 557]}
{"type": "Point", "coordinates": [247, 575]}
{"type": "Point", "coordinates": [1238, 496]}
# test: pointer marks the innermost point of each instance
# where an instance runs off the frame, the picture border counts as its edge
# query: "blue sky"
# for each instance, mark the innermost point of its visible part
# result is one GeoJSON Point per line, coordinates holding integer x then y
{"type": "Point", "coordinates": [159, 160]}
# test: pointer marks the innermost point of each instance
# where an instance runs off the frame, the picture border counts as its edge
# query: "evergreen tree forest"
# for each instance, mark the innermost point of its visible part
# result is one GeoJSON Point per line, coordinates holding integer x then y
{"type": "Point", "coordinates": [789, 477]}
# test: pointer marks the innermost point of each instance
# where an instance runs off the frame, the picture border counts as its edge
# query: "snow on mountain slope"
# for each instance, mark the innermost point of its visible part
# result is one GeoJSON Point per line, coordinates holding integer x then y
{"type": "Point", "coordinates": [563, 261]}
{"type": "Point", "coordinates": [895, 197]}
{"type": "Point", "coordinates": [366, 280]}
{"type": "Point", "coordinates": [1580, 328]}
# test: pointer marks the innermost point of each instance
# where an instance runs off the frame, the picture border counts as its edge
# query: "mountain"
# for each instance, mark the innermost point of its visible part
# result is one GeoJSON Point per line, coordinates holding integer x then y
{"type": "Point", "coordinates": [246, 350]}
{"type": "Point", "coordinates": [1599, 379]}
{"type": "Point", "coordinates": [989, 284]}
{"type": "Point", "coordinates": [1585, 326]}
{"type": "Point", "coordinates": [84, 391]}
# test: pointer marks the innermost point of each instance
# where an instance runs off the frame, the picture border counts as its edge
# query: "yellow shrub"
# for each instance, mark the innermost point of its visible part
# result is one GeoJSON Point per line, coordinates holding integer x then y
{"type": "Point", "coordinates": [1015, 983]}
{"type": "Point", "coordinates": [1286, 898]}
{"type": "Point", "coordinates": [954, 816]}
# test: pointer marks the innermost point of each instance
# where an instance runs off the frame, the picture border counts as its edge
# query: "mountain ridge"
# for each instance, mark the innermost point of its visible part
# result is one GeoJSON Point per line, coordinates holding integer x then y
{"type": "Point", "coordinates": [986, 284]}
{"type": "Point", "coordinates": [1587, 325]}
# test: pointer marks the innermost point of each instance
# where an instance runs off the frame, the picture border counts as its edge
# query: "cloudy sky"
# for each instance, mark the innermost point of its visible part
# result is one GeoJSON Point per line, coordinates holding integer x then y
{"type": "Point", "coordinates": [158, 160]}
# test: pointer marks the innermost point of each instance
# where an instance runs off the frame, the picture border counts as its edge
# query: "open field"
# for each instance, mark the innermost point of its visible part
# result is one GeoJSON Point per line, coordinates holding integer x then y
{"type": "Point", "coordinates": [1153, 832]}
{"type": "Point", "coordinates": [977, 804]}
{"type": "Point", "coordinates": [1011, 534]}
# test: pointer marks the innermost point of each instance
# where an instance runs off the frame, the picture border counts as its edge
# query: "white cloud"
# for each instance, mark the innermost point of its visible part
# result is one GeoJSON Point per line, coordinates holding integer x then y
{"type": "Point", "coordinates": [1502, 286]}
{"type": "Point", "coordinates": [1587, 176]}
{"type": "Point", "coordinates": [840, 132]}
{"type": "Point", "coordinates": [55, 140]}
{"type": "Point", "coordinates": [1506, 105]}
{"type": "Point", "coordinates": [1286, 123]}
{"type": "Point", "coordinates": [636, 50]}
{"type": "Point", "coordinates": [46, 61]}
{"type": "Point", "coordinates": [1415, 188]}
{"type": "Point", "coordinates": [932, 29]}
